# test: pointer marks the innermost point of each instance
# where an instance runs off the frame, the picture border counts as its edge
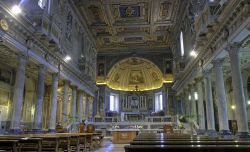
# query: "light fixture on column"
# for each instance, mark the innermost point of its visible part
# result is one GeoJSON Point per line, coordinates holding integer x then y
{"type": "Point", "coordinates": [195, 95]}
{"type": "Point", "coordinates": [233, 107]}
{"type": "Point", "coordinates": [67, 58]}
{"type": "Point", "coordinates": [189, 97]}
{"type": "Point", "coordinates": [248, 102]}
{"type": "Point", "coordinates": [16, 9]}
{"type": "Point", "coordinates": [193, 53]}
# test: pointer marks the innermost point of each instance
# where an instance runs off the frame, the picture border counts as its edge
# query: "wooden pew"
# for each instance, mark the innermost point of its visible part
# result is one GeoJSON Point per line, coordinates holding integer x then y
{"type": "Point", "coordinates": [50, 142]}
{"type": "Point", "coordinates": [68, 142]}
{"type": "Point", "coordinates": [61, 141]}
{"type": "Point", "coordinates": [54, 142]}
{"type": "Point", "coordinates": [82, 140]}
{"type": "Point", "coordinates": [188, 142]}
{"type": "Point", "coordinates": [162, 142]}
{"type": "Point", "coordinates": [187, 148]}
{"type": "Point", "coordinates": [8, 145]}
{"type": "Point", "coordinates": [25, 143]}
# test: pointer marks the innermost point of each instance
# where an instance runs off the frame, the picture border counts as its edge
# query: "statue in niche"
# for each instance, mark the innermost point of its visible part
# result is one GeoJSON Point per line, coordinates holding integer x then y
{"type": "Point", "coordinates": [168, 68]}
{"type": "Point", "coordinates": [69, 26]}
{"type": "Point", "coordinates": [100, 69]}
{"type": "Point", "coordinates": [129, 11]}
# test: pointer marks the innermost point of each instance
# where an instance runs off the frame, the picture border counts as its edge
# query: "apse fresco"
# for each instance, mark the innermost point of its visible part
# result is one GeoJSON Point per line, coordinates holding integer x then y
{"type": "Point", "coordinates": [129, 11]}
{"type": "Point", "coordinates": [134, 72]}
{"type": "Point", "coordinates": [135, 77]}
{"type": "Point", "coordinates": [155, 76]}
{"type": "Point", "coordinates": [116, 78]}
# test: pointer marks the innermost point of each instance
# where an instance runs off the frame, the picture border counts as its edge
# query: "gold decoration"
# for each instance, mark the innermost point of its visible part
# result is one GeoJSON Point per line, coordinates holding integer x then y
{"type": "Point", "coordinates": [134, 71]}
{"type": "Point", "coordinates": [4, 24]}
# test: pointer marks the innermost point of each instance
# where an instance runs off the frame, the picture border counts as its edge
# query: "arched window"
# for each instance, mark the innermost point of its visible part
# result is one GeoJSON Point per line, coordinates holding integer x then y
{"type": "Point", "coordinates": [114, 102]}
{"type": "Point", "coordinates": [182, 43]}
{"type": "Point", "coordinates": [158, 102]}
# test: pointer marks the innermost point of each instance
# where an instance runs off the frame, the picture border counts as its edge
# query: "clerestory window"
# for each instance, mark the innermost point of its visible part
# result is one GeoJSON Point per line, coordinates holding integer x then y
{"type": "Point", "coordinates": [158, 102]}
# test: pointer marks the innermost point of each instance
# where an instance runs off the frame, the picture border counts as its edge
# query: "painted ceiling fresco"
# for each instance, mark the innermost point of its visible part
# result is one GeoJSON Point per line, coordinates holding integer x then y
{"type": "Point", "coordinates": [119, 24]}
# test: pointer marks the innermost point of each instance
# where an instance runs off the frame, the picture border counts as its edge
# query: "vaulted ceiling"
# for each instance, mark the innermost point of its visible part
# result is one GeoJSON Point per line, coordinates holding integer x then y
{"type": "Point", "coordinates": [126, 24]}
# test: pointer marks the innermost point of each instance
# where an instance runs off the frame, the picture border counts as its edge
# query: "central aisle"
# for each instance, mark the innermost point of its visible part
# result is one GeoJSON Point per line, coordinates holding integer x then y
{"type": "Point", "coordinates": [108, 146]}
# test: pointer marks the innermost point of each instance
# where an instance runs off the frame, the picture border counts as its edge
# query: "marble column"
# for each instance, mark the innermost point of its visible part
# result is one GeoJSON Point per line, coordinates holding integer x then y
{"type": "Point", "coordinates": [209, 102]}
{"type": "Point", "coordinates": [65, 103]}
{"type": "Point", "coordinates": [201, 115]}
{"type": "Point", "coordinates": [73, 106]}
{"type": "Point", "coordinates": [221, 95]}
{"type": "Point", "coordinates": [84, 105]}
{"type": "Point", "coordinates": [87, 107]}
{"type": "Point", "coordinates": [53, 105]}
{"type": "Point", "coordinates": [182, 103]}
{"type": "Point", "coordinates": [193, 103]}
{"type": "Point", "coordinates": [80, 105]}
{"type": "Point", "coordinates": [18, 95]}
{"type": "Point", "coordinates": [40, 95]}
{"type": "Point", "coordinates": [238, 92]}
{"type": "Point", "coordinates": [187, 102]}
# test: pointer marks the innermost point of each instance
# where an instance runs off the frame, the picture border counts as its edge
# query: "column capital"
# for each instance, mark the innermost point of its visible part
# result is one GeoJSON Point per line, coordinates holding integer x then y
{"type": "Point", "coordinates": [80, 90]}
{"type": "Point", "coordinates": [42, 68]}
{"type": "Point", "coordinates": [191, 87]}
{"type": "Point", "coordinates": [66, 81]}
{"type": "Point", "coordinates": [22, 59]}
{"type": "Point", "coordinates": [74, 87]}
{"type": "Point", "coordinates": [185, 90]}
{"type": "Point", "coordinates": [192, 83]}
{"type": "Point", "coordinates": [233, 48]}
{"type": "Point", "coordinates": [217, 62]}
{"type": "Point", "coordinates": [23, 56]}
{"type": "Point", "coordinates": [198, 79]}
{"type": "Point", "coordinates": [55, 75]}
{"type": "Point", "coordinates": [207, 73]}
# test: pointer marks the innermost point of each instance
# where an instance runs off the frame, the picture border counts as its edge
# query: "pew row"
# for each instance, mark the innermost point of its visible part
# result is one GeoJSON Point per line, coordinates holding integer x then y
{"type": "Point", "coordinates": [50, 142]}
{"type": "Point", "coordinates": [163, 142]}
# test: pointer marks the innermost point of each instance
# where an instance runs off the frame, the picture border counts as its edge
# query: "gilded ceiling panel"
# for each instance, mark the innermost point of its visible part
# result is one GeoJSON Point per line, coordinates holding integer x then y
{"type": "Point", "coordinates": [118, 24]}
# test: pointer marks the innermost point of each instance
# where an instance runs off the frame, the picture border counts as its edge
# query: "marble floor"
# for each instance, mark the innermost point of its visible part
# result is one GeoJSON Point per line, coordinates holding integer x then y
{"type": "Point", "coordinates": [108, 146]}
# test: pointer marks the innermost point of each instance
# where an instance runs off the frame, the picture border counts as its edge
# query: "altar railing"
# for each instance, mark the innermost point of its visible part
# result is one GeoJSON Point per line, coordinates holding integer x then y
{"type": "Point", "coordinates": [146, 119]}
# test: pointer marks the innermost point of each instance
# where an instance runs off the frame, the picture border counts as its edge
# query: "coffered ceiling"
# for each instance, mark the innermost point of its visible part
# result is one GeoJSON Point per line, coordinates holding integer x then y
{"type": "Point", "coordinates": [125, 24]}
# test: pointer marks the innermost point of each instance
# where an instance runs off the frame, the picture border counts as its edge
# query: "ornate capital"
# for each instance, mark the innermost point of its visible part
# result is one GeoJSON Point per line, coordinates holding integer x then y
{"type": "Point", "coordinates": [198, 79]}
{"type": "Point", "coordinates": [66, 82]}
{"type": "Point", "coordinates": [42, 68]}
{"type": "Point", "coordinates": [80, 91]}
{"type": "Point", "coordinates": [55, 76]}
{"type": "Point", "coordinates": [207, 73]}
{"type": "Point", "coordinates": [233, 49]}
{"type": "Point", "coordinates": [218, 62]}
{"type": "Point", "coordinates": [74, 87]}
